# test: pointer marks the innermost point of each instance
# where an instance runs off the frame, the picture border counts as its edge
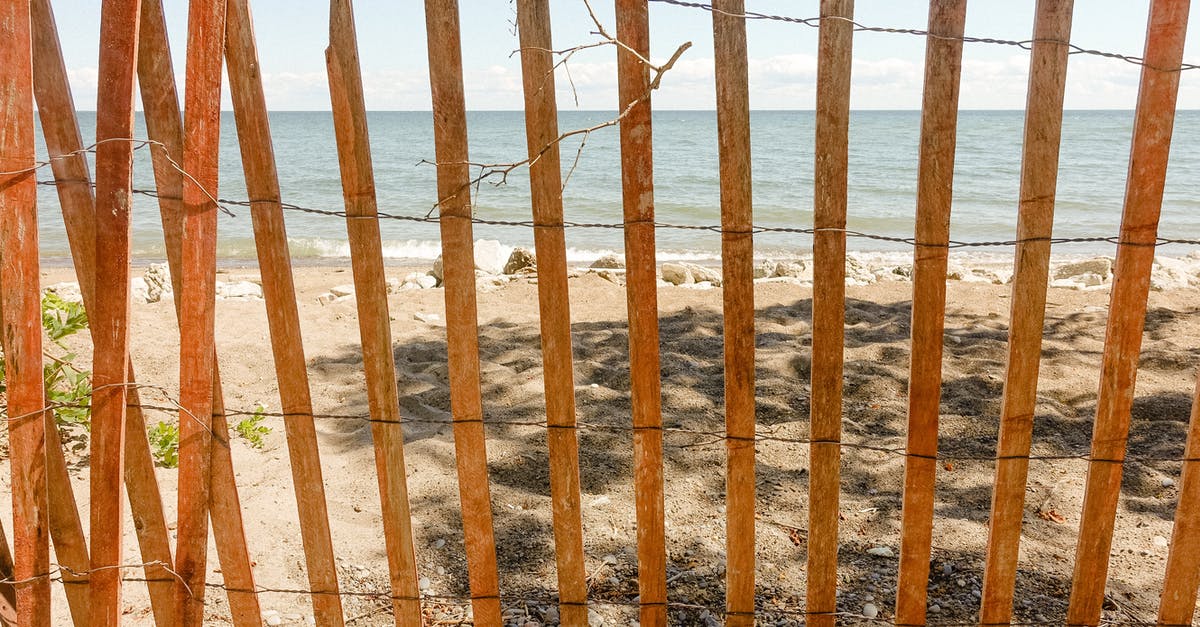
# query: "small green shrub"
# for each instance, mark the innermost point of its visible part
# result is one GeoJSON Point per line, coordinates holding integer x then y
{"type": "Point", "coordinates": [164, 444]}
{"type": "Point", "coordinates": [68, 388]}
{"type": "Point", "coordinates": [251, 428]}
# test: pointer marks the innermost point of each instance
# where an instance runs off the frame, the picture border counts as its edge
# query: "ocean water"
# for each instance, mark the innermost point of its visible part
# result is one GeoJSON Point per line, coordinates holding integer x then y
{"type": "Point", "coordinates": [882, 182]}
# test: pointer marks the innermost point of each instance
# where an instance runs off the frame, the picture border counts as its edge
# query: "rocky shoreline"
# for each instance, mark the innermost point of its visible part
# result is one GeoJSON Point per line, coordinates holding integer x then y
{"type": "Point", "coordinates": [497, 265]}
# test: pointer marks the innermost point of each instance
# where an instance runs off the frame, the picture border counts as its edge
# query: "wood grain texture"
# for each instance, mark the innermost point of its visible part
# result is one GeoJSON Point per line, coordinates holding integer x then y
{"type": "Point", "coordinates": [545, 181]}
{"type": "Point", "coordinates": [366, 259]}
{"type": "Point", "coordinates": [835, 47]}
{"type": "Point", "coordinates": [1152, 126]}
{"type": "Point", "coordinates": [8, 592]}
{"type": "Point", "coordinates": [637, 194]}
{"type": "Point", "coordinates": [737, 266]}
{"type": "Point", "coordinates": [939, 119]}
{"type": "Point", "coordinates": [21, 319]}
{"type": "Point", "coordinates": [1178, 602]}
{"type": "Point", "coordinates": [164, 124]}
{"type": "Point", "coordinates": [274, 262]}
{"type": "Point", "coordinates": [202, 93]}
{"type": "Point", "coordinates": [1031, 272]}
{"type": "Point", "coordinates": [109, 318]}
{"type": "Point", "coordinates": [462, 333]}
{"type": "Point", "coordinates": [56, 112]}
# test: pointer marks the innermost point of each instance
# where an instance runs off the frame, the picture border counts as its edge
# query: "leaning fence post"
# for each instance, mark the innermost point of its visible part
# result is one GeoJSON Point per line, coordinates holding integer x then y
{"type": "Point", "coordinates": [206, 38]}
{"type": "Point", "coordinates": [1152, 126]}
{"type": "Point", "coordinates": [829, 305]}
{"type": "Point", "coordinates": [270, 238]}
{"type": "Point", "coordinates": [370, 293]}
{"type": "Point", "coordinates": [737, 264]}
{"type": "Point", "coordinates": [637, 191]}
{"type": "Point", "coordinates": [1031, 271]}
{"type": "Point", "coordinates": [545, 180]}
{"type": "Point", "coordinates": [1178, 602]}
{"type": "Point", "coordinates": [462, 333]}
{"type": "Point", "coordinates": [939, 115]}
{"type": "Point", "coordinates": [22, 319]}
{"type": "Point", "coordinates": [110, 318]}
{"type": "Point", "coordinates": [56, 112]}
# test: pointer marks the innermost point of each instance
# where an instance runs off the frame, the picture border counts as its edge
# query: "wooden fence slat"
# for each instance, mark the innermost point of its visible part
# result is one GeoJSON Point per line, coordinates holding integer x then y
{"type": "Point", "coordinates": [637, 192]}
{"type": "Point", "coordinates": [1152, 126]}
{"type": "Point", "coordinates": [164, 125]}
{"type": "Point", "coordinates": [462, 333]}
{"type": "Point", "coordinates": [1031, 272]}
{"type": "Point", "coordinates": [61, 130]}
{"type": "Point", "coordinates": [109, 320]}
{"type": "Point", "coordinates": [56, 112]}
{"type": "Point", "coordinates": [262, 184]}
{"type": "Point", "coordinates": [1178, 602]}
{"type": "Point", "coordinates": [737, 264]}
{"type": "Point", "coordinates": [366, 259]}
{"type": "Point", "coordinates": [939, 117]}
{"type": "Point", "coordinates": [545, 180]}
{"type": "Point", "coordinates": [206, 35]}
{"type": "Point", "coordinates": [8, 592]}
{"type": "Point", "coordinates": [832, 135]}
{"type": "Point", "coordinates": [21, 318]}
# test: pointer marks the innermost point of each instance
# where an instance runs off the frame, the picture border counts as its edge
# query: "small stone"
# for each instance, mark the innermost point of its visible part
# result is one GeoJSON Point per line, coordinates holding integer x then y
{"type": "Point", "coordinates": [424, 584]}
{"type": "Point", "coordinates": [677, 274]}
{"type": "Point", "coordinates": [1168, 482]}
{"type": "Point", "coordinates": [870, 611]}
{"type": "Point", "coordinates": [609, 262]}
{"type": "Point", "coordinates": [935, 608]}
{"type": "Point", "coordinates": [436, 270]}
{"type": "Point", "coordinates": [427, 318]}
{"type": "Point", "coordinates": [1160, 541]}
{"type": "Point", "coordinates": [881, 551]}
{"type": "Point", "coordinates": [342, 290]}
{"type": "Point", "coordinates": [947, 568]}
{"type": "Point", "coordinates": [439, 543]}
{"type": "Point", "coordinates": [520, 259]}
{"type": "Point", "coordinates": [962, 583]}
{"type": "Point", "coordinates": [610, 559]}
{"type": "Point", "coordinates": [427, 281]}
{"type": "Point", "coordinates": [550, 615]}
{"type": "Point", "coordinates": [274, 620]}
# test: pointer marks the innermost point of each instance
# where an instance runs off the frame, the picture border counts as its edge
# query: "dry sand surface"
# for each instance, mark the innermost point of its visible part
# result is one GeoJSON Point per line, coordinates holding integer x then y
{"type": "Point", "coordinates": [877, 348]}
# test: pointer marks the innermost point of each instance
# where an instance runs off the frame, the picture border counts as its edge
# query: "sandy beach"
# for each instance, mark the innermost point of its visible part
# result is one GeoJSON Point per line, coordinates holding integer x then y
{"type": "Point", "coordinates": [877, 329]}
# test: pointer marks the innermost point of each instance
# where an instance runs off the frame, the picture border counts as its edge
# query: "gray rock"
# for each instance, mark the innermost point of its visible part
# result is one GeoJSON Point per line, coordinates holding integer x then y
{"type": "Point", "coordinates": [870, 611]}
{"type": "Point", "coordinates": [342, 290]}
{"type": "Point", "coordinates": [424, 584]}
{"type": "Point", "coordinates": [138, 290]}
{"type": "Point", "coordinates": [609, 262]}
{"type": "Point", "coordinates": [881, 551]}
{"type": "Point", "coordinates": [158, 282]}
{"type": "Point", "coordinates": [436, 270]}
{"type": "Point", "coordinates": [427, 281]}
{"type": "Point", "coordinates": [1100, 266]}
{"type": "Point", "coordinates": [677, 274]}
{"type": "Point", "coordinates": [1168, 482]}
{"type": "Point", "coordinates": [765, 270]}
{"type": "Point", "coordinates": [1160, 542]}
{"type": "Point", "coordinates": [793, 269]}
{"type": "Point", "coordinates": [521, 259]}
{"type": "Point", "coordinates": [239, 290]}
{"type": "Point", "coordinates": [68, 291]}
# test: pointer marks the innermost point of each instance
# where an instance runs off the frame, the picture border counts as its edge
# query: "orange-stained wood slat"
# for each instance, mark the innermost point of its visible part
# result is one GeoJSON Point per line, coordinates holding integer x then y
{"type": "Point", "coordinates": [545, 180]}
{"type": "Point", "coordinates": [1152, 126]}
{"type": "Point", "coordinates": [366, 259]}
{"type": "Point", "coordinates": [56, 112]}
{"type": "Point", "coordinates": [21, 320]}
{"type": "Point", "coordinates": [637, 192]}
{"type": "Point", "coordinates": [1031, 271]}
{"type": "Point", "coordinates": [1178, 603]}
{"type": "Point", "coordinates": [274, 262]}
{"type": "Point", "coordinates": [109, 319]}
{"type": "Point", "coordinates": [835, 44]}
{"type": "Point", "coordinates": [939, 116]}
{"type": "Point", "coordinates": [462, 333]}
{"type": "Point", "coordinates": [206, 36]}
{"type": "Point", "coordinates": [8, 593]}
{"type": "Point", "coordinates": [737, 264]}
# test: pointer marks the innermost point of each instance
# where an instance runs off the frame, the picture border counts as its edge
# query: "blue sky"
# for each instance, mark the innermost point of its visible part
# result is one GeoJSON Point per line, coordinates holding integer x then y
{"type": "Point", "coordinates": [887, 73]}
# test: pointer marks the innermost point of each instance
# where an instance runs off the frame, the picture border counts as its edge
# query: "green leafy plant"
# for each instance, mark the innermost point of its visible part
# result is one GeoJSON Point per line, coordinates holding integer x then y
{"type": "Point", "coordinates": [68, 388]}
{"type": "Point", "coordinates": [251, 428]}
{"type": "Point", "coordinates": [164, 444]}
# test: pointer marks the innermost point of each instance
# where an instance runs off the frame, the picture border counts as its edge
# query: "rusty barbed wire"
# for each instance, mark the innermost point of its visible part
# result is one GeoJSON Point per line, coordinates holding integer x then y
{"type": "Point", "coordinates": [1024, 44]}
{"type": "Point", "coordinates": [708, 437]}
{"type": "Point", "coordinates": [546, 599]}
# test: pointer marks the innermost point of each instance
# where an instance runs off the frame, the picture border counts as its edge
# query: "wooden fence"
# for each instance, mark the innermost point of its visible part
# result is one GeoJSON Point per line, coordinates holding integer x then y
{"type": "Point", "coordinates": [134, 37]}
